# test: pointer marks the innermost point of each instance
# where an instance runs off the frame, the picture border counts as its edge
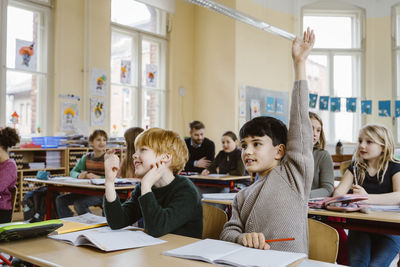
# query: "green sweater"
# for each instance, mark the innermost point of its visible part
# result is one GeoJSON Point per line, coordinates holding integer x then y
{"type": "Point", "coordinates": [81, 166]}
{"type": "Point", "coordinates": [175, 208]}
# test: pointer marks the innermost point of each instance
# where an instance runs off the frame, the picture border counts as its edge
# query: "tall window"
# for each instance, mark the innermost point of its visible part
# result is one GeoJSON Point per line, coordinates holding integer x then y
{"type": "Point", "coordinates": [396, 54]}
{"type": "Point", "coordinates": [25, 78]}
{"type": "Point", "coordinates": [334, 67]}
{"type": "Point", "coordinates": [138, 66]}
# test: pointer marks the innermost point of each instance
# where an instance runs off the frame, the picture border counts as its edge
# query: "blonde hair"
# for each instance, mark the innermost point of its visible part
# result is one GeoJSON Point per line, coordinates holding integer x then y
{"type": "Point", "coordinates": [321, 142]}
{"type": "Point", "coordinates": [380, 135]}
{"type": "Point", "coordinates": [127, 163]}
{"type": "Point", "coordinates": [165, 141]}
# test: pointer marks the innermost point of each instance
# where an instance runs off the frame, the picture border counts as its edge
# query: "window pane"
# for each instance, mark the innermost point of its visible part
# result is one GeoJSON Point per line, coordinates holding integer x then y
{"type": "Point", "coordinates": [21, 101]}
{"type": "Point", "coordinates": [332, 31]}
{"type": "Point", "coordinates": [317, 74]}
{"type": "Point", "coordinates": [123, 67]}
{"type": "Point", "coordinates": [138, 15]}
{"type": "Point", "coordinates": [153, 105]}
{"type": "Point", "coordinates": [123, 106]}
{"type": "Point", "coordinates": [151, 64]}
{"type": "Point", "coordinates": [23, 33]}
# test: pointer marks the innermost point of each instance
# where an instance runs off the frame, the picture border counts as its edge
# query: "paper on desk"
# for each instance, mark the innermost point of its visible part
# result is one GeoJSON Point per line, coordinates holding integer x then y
{"type": "Point", "coordinates": [87, 218]}
{"type": "Point", "coordinates": [69, 179]}
{"type": "Point", "coordinates": [220, 196]}
{"type": "Point", "coordinates": [216, 175]}
{"type": "Point", "coordinates": [127, 181]}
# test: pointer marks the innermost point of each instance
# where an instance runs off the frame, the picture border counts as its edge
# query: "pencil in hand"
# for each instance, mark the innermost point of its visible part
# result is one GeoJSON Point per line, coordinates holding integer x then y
{"type": "Point", "coordinates": [279, 239]}
{"type": "Point", "coordinates": [355, 175]}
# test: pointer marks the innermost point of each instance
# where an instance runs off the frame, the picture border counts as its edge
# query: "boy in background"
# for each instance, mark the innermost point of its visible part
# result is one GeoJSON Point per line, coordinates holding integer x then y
{"type": "Point", "coordinates": [167, 202]}
{"type": "Point", "coordinates": [275, 206]}
{"type": "Point", "coordinates": [89, 166]}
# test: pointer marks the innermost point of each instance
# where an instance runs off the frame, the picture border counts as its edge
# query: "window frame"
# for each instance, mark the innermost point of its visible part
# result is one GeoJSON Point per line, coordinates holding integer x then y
{"type": "Point", "coordinates": [395, 14]}
{"type": "Point", "coordinates": [45, 95]}
{"type": "Point", "coordinates": [358, 37]}
{"type": "Point", "coordinates": [141, 90]}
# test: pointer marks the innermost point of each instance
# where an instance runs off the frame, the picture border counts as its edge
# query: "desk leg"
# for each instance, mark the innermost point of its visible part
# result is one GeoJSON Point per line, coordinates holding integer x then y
{"type": "Point", "coordinates": [49, 202]}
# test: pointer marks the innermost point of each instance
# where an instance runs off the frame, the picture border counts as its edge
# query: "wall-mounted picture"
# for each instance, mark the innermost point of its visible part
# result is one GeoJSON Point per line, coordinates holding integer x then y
{"type": "Point", "coordinates": [151, 75]}
{"type": "Point", "coordinates": [397, 108]}
{"type": "Point", "coordinates": [97, 112]}
{"type": "Point", "coordinates": [366, 107]}
{"type": "Point", "coordinates": [255, 108]}
{"type": "Point", "coordinates": [98, 82]}
{"type": "Point", "coordinates": [384, 108]}
{"type": "Point", "coordinates": [242, 109]}
{"type": "Point", "coordinates": [125, 74]}
{"type": "Point", "coordinates": [270, 106]}
{"type": "Point", "coordinates": [323, 102]}
{"type": "Point", "coordinates": [313, 100]}
{"type": "Point", "coordinates": [335, 104]}
{"type": "Point", "coordinates": [351, 104]}
{"type": "Point", "coordinates": [69, 115]}
{"type": "Point", "coordinates": [279, 105]}
{"type": "Point", "coordinates": [25, 55]}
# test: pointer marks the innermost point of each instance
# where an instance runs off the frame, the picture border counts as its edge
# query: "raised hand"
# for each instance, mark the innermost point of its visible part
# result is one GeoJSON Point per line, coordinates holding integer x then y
{"type": "Point", "coordinates": [301, 51]}
{"type": "Point", "coordinates": [111, 167]}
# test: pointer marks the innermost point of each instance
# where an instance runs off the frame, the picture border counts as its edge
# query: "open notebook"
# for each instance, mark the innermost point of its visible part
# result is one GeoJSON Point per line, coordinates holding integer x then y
{"type": "Point", "coordinates": [81, 222]}
{"type": "Point", "coordinates": [222, 252]}
{"type": "Point", "coordinates": [108, 240]}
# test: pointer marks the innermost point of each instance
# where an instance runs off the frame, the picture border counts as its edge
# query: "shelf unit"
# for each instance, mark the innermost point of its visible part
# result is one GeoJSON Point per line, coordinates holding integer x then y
{"type": "Point", "coordinates": [69, 157]}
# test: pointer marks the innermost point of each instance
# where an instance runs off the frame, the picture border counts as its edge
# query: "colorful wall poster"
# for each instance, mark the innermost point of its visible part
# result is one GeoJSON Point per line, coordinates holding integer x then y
{"type": "Point", "coordinates": [242, 110]}
{"type": "Point", "coordinates": [366, 107]}
{"type": "Point", "coordinates": [279, 105]}
{"type": "Point", "coordinates": [335, 104]}
{"type": "Point", "coordinates": [384, 108]}
{"type": "Point", "coordinates": [151, 75]}
{"type": "Point", "coordinates": [270, 106]}
{"type": "Point", "coordinates": [397, 108]}
{"type": "Point", "coordinates": [323, 102]}
{"type": "Point", "coordinates": [255, 108]}
{"type": "Point", "coordinates": [25, 55]}
{"type": "Point", "coordinates": [69, 115]}
{"type": "Point", "coordinates": [125, 71]}
{"type": "Point", "coordinates": [313, 100]}
{"type": "Point", "coordinates": [98, 82]}
{"type": "Point", "coordinates": [351, 104]}
{"type": "Point", "coordinates": [97, 112]}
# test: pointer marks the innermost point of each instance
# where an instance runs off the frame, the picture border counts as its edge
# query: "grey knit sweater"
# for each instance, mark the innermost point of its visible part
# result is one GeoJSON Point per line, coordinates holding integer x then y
{"type": "Point", "coordinates": [276, 204]}
{"type": "Point", "coordinates": [322, 185]}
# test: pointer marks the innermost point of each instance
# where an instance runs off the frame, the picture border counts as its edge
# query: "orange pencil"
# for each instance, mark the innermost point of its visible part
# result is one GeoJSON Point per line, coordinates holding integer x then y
{"type": "Point", "coordinates": [279, 239]}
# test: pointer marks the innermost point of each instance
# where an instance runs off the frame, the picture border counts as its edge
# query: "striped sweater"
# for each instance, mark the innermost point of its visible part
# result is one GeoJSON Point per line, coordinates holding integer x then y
{"type": "Point", "coordinates": [276, 204]}
{"type": "Point", "coordinates": [89, 163]}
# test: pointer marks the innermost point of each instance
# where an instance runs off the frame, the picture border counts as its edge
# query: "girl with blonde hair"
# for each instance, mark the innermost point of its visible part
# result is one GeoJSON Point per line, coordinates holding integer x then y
{"type": "Point", "coordinates": [376, 173]}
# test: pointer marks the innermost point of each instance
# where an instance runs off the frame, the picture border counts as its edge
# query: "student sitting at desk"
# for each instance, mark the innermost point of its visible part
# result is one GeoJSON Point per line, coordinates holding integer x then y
{"type": "Point", "coordinates": [323, 181]}
{"type": "Point", "coordinates": [127, 169]}
{"type": "Point", "coordinates": [228, 160]}
{"type": "Point", "coordinates": [275, 206]}
{"type": "Point", "coordinates": [8, 172]}
{"type": "Point", "coordinates": [167, 202]}
{"type": "Point", "coordinates": [376, 173]}
{"type": "Point", "coordinates": [89, 166]}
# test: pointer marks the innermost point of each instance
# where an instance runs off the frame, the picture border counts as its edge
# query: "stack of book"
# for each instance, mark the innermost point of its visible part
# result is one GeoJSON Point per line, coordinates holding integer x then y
{"type": "Point", "coordinates": [52, 159]}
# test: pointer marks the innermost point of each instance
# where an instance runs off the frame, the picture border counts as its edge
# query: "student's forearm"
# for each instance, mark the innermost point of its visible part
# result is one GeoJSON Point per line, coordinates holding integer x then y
{"type": "Point", "coordinates": [384, 199]}
{"type": "Point", "coordinates": [300, 70]}
{"type": "Point", "coordinates": [110, 194]}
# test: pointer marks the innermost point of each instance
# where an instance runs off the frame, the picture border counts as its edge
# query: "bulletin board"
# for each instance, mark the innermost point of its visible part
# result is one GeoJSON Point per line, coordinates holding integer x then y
{"type": "Point", "coordinates": [254, 102]}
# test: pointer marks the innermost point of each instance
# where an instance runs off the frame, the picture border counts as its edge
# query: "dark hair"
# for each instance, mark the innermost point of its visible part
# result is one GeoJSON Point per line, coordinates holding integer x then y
{"type": "Point", "coordinates": [97, 133]}
{"type": "Point", "coordinates": [231, 135]}
{"type": "Point", "coordinates": [265, 125]}
{"type": "Point", "coordinates": [127, 163]}
{"type": "Point", "coordinates": [8, 137]}
{"type": "Point", "coordinates": [197, 125]}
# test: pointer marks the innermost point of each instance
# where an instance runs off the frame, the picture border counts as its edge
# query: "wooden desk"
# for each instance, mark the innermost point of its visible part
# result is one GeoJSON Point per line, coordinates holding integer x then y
{"type": "Point", "coordinates": [47, 252]}
{"type": "Point", "coordinates": [383, 222]}
{"type": "Point", "coordinates": [81, 186]}
{"type": "Point", "coordinates": [221, 181]}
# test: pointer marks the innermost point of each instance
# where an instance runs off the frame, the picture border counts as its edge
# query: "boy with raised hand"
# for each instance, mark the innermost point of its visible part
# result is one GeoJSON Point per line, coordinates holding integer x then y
{"type": "Point", "coordinates": [275, 206]}
{"type": "Point", "coordinates": [167, 202]}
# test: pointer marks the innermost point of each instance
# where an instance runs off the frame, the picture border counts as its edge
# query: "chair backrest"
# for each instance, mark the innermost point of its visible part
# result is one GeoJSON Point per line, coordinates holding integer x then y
{"type": "Point", "coordinates": [213, 221]}
{"type": "Point", "coordinates": [323, 241]}
{"type": "Point", "coordinates": [344, 165]}
{"type": "Point", "coordinates": [13, 199]}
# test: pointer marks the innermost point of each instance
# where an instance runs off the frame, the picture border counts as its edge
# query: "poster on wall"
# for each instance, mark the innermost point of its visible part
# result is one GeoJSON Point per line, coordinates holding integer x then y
{"type": "Point", "coordinates": [151, 75]}
{"type": "Point", "coordinates": [335, 104]}
{"type": "Point", "coordinates": [69, 115]}
{"type": "Point", "coordinates": [270, 106]}
{"type": "Point", "coordinates": [397, 108]}
{"type": "Point", "coordinates": [323, 102]}
{"type": "Point", "coordinates": [366, 107]}
{"type": "Point", "coordinates": [255, 108]}
{"type": "Point", "coordinates": [125, 71]}
{"type": "Point", "coordinates": [351, 104]}
{"type": "Point", "coordinates": [98, 82]}
{"type": "Point", "coordinates": [384, 108]}
{"type": "Point", "coordinates": [313, 100]}
{"type": "Point", "coordinates": [97, 112]}
{"type": "Point", "coordinates": [25, 55]}
{"type": "Point", "coordinates": [242, 110]}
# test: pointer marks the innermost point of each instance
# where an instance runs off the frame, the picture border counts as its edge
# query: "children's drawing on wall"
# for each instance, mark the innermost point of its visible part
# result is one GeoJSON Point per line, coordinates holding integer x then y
{"type": "Point", "coordinates": [25, 57]}
{"type": "Point", "coordinates": [242, 110]}
{"type": "Point", "coordinates": [270, 107]}
{"type": "Point", "coordinates": [313, 100]}
{"type": "Point", "coordinates": [14, 119]}
{"type": "Point", "coordinates": [279, 105]}
{"type": "Point", "coordinates": [98, 82]}
{"type": "Point", "coordinates": [384, 108]}
{"type": "Point", "coordinates": [97, 112]}
{"type": "Point", "coordinates": [255, 108]}
{"type": "Point", "coordinates": [335, 104]}
{"type": "Point", "coordinates": [125, 71]}
{"type": "Point", "coordinates": [397, 108]}
{"type": "Point", "coordinates": [69, 115]}
{"type": "Point", "coordinates": [242, 94]}
{"type": "Point", "coordinates": [351, 104]}
{"type": "Point", "coordinates": [151, 75]}
{"type": "Point", "coordinates": [366, 107]}
{"type": "Point", "coordinates": [323, 102]}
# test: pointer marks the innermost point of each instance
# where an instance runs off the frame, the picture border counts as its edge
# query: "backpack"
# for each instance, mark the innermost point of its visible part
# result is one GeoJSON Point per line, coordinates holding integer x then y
{"type": "Point", "coordinates": [34, 204]}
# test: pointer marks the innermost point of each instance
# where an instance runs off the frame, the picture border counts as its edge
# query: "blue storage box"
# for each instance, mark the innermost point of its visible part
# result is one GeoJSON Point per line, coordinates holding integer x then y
{"type": "Point", "coordinates": [47, 141]}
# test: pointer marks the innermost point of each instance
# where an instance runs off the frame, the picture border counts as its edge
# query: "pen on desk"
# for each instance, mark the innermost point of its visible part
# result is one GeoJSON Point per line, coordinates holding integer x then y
{"type": "Point", "coordinates": [355, 175]}
{"type": "Point", "coordinates": [279, 239]}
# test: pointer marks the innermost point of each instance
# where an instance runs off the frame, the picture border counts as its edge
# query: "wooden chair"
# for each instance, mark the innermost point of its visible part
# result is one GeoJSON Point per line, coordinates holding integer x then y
{"type": "Point", "coordinates": [213, 221]}
{"type": "Point", "coordinates": [344, 165]}
{"type": "Point", "coordinates": [323, 241]}
{"type": "Point", "coordinates": [3, 259]}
